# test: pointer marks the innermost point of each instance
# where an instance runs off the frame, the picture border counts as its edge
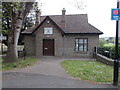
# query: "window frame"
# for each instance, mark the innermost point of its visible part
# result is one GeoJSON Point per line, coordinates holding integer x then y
{"type": "Point", "coordinates": [83, 45]}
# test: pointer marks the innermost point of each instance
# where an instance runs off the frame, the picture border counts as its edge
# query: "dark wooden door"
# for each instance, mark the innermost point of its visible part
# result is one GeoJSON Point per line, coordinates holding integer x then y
{"type": "Point", "coordinates": [48, 47]}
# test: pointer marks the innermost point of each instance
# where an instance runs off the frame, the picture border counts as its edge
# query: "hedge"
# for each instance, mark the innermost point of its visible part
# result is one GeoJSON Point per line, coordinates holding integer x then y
{"type": "Point", "coordinates": [109, 51]}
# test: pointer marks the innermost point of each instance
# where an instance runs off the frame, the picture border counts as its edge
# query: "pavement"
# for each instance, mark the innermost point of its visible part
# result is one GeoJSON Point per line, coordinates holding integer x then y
{"type": "Point", "coordinates": [46, 73]}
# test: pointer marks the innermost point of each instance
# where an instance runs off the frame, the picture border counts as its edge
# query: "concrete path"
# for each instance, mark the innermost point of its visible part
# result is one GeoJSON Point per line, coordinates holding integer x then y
{"type": "Point", "coordinates": [46, 73]}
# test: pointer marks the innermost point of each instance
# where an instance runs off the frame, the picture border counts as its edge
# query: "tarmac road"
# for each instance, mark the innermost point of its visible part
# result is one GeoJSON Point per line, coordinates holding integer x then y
{"type": "Point", "coordinates": [30, 80]}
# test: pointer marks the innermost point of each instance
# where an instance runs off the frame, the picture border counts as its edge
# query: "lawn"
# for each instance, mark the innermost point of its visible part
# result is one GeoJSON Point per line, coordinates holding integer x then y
{"type": "Point", "coordinates": [20, 63]}
{"type": "Point", "coordinates": [89, 70]}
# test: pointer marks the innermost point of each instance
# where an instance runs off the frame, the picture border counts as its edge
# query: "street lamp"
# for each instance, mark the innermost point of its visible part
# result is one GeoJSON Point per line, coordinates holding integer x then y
{"type": "Point", "coordinates": [116, 62]}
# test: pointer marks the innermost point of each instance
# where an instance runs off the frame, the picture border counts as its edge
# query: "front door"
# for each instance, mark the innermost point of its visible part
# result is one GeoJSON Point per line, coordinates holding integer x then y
{"type": "Point", "coordinates": [48, 47]}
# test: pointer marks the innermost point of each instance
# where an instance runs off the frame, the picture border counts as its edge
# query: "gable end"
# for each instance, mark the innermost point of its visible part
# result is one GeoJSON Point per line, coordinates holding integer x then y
{"type": "Point", "coordinates": [47, 18]}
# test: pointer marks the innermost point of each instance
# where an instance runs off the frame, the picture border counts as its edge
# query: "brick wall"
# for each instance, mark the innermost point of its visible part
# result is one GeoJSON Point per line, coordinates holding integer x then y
{"type": "Point", "coordinates": [30, 45]}
{"type": "Point", "coordinates": [69, 45]}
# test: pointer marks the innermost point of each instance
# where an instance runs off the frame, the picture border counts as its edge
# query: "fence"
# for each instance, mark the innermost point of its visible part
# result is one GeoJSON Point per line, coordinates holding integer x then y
{"type": "Point", "coordinates": [3, 48]}
{"type": "Point", "coordinates": [21, 51]}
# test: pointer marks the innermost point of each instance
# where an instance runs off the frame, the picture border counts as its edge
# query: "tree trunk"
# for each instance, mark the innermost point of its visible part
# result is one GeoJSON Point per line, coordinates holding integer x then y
{"type": "Point", "coordinates": [11, 56]}
{"type": "Point", "coordinates": [12, 53]}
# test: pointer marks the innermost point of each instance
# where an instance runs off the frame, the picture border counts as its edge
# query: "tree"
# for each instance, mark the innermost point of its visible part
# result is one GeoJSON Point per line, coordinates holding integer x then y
{"type": "Point", "coordinates": [17, 12]}
{"type": "Point", "coordinates": [28, 22]}
{"type": "Point", "coordinates": [5, 24]}
{"type": "Point", "coordinates": [79, 4]}
{"type": "Point", "coordinates": [102, 42]}
{"type": "Point", "coordinates": [0, 17]}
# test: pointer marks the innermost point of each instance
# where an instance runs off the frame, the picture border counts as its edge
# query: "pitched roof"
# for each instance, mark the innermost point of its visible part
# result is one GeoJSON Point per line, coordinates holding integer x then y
{"type": "Point", "coordinates": [29, 30]}
{"type": "Point", "coordinates": [77, 23]}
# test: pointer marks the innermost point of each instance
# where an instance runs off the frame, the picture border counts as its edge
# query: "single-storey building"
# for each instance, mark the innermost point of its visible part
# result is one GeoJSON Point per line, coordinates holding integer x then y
{"type": "Point", "coordinates": [61, 35]}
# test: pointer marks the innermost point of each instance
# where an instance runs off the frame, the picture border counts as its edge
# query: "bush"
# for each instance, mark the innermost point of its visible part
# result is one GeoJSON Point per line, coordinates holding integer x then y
{"type": "Point", "coordinates": [110, 49]}
{"type": "Point", "coordinates": [112, 52]}
{"type": "Point", "coordinates": [102, 50]}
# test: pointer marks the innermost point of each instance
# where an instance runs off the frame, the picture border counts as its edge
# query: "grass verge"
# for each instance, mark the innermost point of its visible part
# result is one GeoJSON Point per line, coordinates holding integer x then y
{"type": "Point", "coordinates": [89, 70]}
{"type": "Point", "coordinates": [20, 63]}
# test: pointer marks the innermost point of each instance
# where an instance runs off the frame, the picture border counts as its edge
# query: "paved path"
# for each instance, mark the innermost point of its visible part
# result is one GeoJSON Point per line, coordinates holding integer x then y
{"type": "Point", "coordinates": [46, 66]}
{"type": "Point", "coordinates": [30, 80]}
{"type": "Point", "coordinates": [46, 73]}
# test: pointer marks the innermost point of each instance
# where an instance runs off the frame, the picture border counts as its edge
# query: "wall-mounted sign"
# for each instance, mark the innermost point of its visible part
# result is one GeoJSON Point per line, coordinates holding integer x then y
{"type": "Point", "coordinates": [48, 30]}
{"type": "Point", "coordinates": [115, 14]}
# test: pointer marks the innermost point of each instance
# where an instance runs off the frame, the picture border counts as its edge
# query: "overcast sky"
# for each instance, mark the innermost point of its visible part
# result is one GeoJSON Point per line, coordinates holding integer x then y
{"type": "Point", "coordinates": [99, 12]}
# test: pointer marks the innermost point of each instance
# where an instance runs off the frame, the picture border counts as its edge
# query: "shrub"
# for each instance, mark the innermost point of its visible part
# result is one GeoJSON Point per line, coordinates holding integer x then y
{"type": "Point", "coordinates": [111, 49]}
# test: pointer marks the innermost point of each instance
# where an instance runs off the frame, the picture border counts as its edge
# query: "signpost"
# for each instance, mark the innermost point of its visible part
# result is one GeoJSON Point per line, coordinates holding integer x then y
{"type": "Point", "coordinates": [116, 16]}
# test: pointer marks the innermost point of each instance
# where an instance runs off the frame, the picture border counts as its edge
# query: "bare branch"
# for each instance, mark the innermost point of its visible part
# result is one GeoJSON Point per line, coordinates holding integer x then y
{"type": "Point", "coordinates": [28, 7]}
{"type": "Point", "coordinates": [79, 4]}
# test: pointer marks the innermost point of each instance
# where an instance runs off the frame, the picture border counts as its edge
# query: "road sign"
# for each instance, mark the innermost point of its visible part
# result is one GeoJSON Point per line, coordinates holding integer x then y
{"type": "Point", "coordinates": [115, 14]}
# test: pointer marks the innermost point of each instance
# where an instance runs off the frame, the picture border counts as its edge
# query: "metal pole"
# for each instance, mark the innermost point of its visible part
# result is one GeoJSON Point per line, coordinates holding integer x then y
{"type": "Point", "coordinates": [1, 44]}
{"type": "Point", "coordinates": [116, 62]}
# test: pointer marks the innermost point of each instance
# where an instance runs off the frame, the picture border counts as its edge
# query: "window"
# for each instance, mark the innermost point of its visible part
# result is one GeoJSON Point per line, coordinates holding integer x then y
{"type": "Point", "coordinates": [81, 44]}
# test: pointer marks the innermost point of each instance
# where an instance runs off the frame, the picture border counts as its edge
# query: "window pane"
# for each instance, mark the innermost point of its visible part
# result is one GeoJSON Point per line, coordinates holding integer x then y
{"type": "Point", "coordinates": [76, 40]}
{"type": "Point", "coordinates": [81, 48]}
{"type": "Point", "coordinates": [76, 47]}
{"type": "Point", "coordinates": [85, 40]}
{"type": "Point", "coordinates": [85, 47]}
{"type": "Point", "coordinates": [80, 40]}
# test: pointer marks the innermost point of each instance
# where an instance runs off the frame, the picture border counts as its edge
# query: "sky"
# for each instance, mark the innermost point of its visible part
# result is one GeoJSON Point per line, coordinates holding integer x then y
{"type": "Point", "coordinates": [99, 12]}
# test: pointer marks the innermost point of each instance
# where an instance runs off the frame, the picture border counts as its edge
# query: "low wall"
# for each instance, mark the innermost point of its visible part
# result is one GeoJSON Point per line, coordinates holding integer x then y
{"type": "Point", "coordinates": [105, 60]}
